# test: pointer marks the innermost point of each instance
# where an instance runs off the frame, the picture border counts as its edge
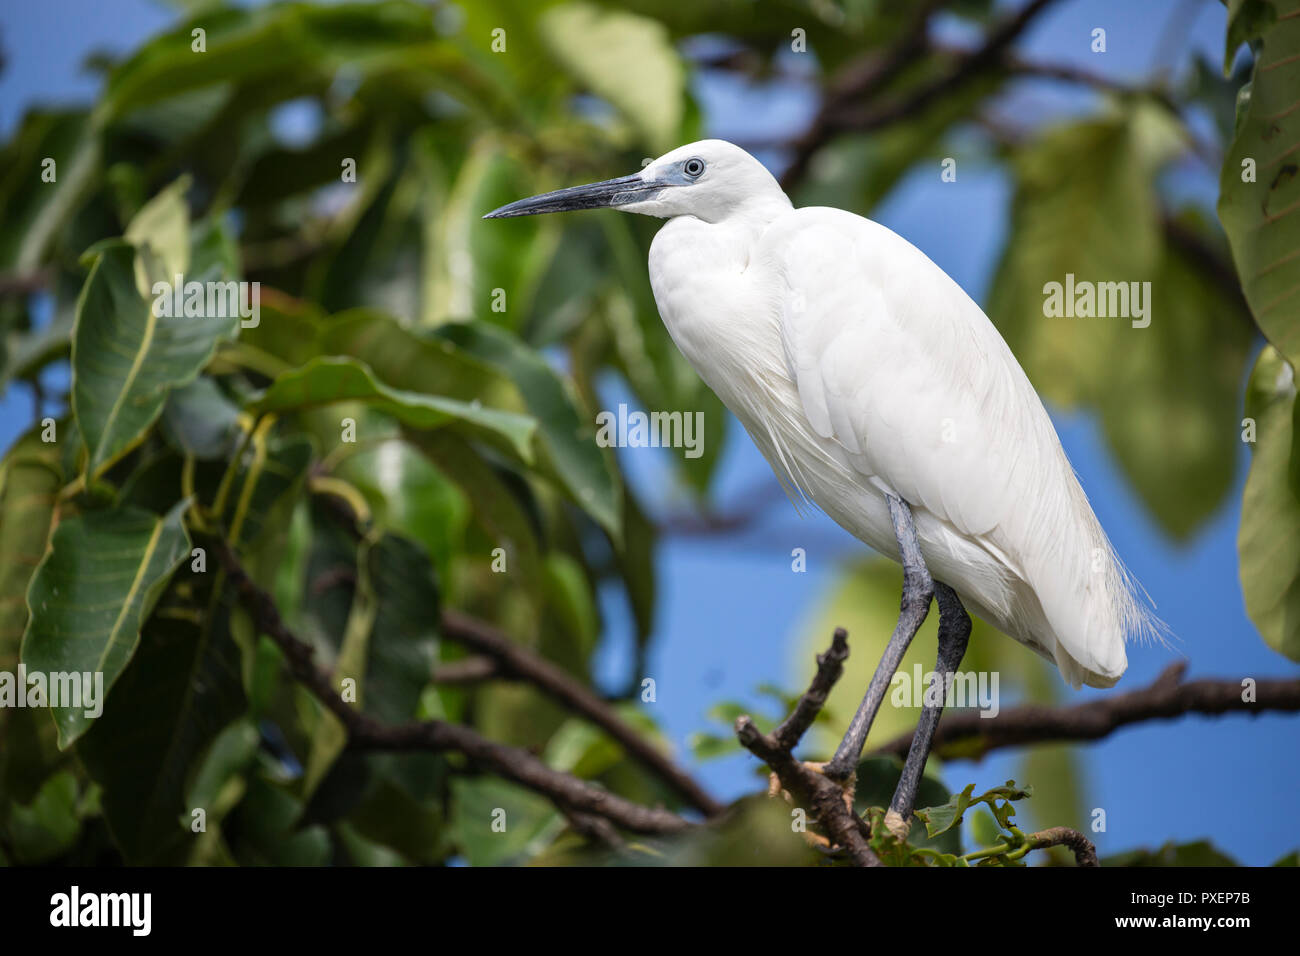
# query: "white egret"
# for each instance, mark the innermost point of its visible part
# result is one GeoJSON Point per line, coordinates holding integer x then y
{"type": "Point", "coordinates": [881, 393]}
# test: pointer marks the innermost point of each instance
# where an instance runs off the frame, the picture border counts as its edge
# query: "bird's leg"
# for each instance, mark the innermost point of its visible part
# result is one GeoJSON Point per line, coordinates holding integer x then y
{"type": "Point", "coordinates": [954, 631]}
{"type": "Point", "coordinates": [918, 588]}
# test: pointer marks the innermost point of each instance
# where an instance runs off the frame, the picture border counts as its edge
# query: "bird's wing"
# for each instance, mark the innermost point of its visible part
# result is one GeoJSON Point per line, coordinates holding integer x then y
{"type": "Point", "coordinates": [898, 365]}
{"type": "Point", "coordinates": [894, 362]}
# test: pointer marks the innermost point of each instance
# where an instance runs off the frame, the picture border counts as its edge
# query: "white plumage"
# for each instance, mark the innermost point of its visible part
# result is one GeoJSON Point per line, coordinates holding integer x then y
{"type": "Point", "coordinates": [861, 370]}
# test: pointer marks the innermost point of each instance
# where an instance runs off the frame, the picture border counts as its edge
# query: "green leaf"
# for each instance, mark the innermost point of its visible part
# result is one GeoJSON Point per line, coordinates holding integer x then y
{"type": "Point", "coordinates": [1172, 402]}
{"type": "Point", "coordinates": [390, 817]}
{"type": "Point", "coordinates": [363, 851]}
{"type": "Point", "coordinates": [288, 335]}
{"type": "Point", "coordinates": [376, 259]}
{"type": "Point", "coordinates": [946, 816]}
{"type": "Point", "coordinates": [1262, 218]}
{"type": "Point", "coordinates": [265, 823]}
{"type": "Point", "coordinates": [30, 478]}
{"type": "Point", "coordinates": [1198, 853]}
{"type": "Point", "coordinates": [1268, 541]}
{"type": "Point", "coordinates": [125, 359]}
{"type": "Point", "coordinates": [1247, 19]}
{"type": "Point", "coordinates": [568, 440]}
{"type": "Point", "coordinates": [27, 352]}
{"type": "Point", "coordinates": [404, 642]}
{"type": "Point", "coordinates": [470, 265]}
{"type": "Point", "coordinates": [200, 420]}
{"type": "Point", "coordinates": [261, 49]}
{"type": "Point", "coordinates": [878, 778]}
{"type": "Point", "coordinates": [49, 825]}
{"type": "Point", "coordinates": [1164, 382]}
{"type": "Point", "coordinates": [330, 736]}
{"type": "Point", "coordinates": [496, 823]}
{"type": "Point", "coordinates": [495, 503]}
{"type": "Point", "coordinates": [984, 829]}
{"type": "Point", "coordinates": [325, 381]}
{"type": "Point", "coordinates": [262, 489]}
{"type": "Point", "coordinates": [90, 596]}
{"type": "Point", "coordinates": [573, 618]}
{"type": "Point", "coordinates": [712, 746]}
{"type": "Point", "coordinates": [727, 711]}
{"type": "Point", "coordinates": [406, 360]}
{"type": "Point", "coordinates": [406, 492]}
{"type": "Point", "coordinates": [163, 226]}
{"type": "Point", "coordinates": [218, 783]}
{"type": "Point", "coordinates": [626, 59]}
{"type": "Point", "coordinates": [180, 691]}
{"type": "Point", "coordinates": [388, 644]}
{"type": "Point", "coordinates": [581, 749]}
{"type": "Point", "coordinates": [33, 210]}
{"type": "Point", "coordinates": [1109, 200]}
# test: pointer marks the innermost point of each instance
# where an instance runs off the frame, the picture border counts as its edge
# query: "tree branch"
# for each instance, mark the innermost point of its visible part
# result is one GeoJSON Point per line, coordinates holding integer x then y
{"type": "Point", "coordinates": [839, 111]}
{"type": "Point", "coordinates": [968, 735]}
{"type": "Point", "coordinates": [25, 283]}
{"type": "Point", "coordinates": [825, 799]}
{"type": "Point", "coordinates": [566, 791]}
{"type": "Point", "coordinates": [745, 510]}
{"type": "Point", "coordinates": [514, 661]}
{"type": "Point", "coordinates": [1085, 853]}
{"type": "Point", "coordinates": [469, 670]}
{"type": "Point", "coordinates": [860, 80]}
{"type": "Point", "coordinates": [830, 666]}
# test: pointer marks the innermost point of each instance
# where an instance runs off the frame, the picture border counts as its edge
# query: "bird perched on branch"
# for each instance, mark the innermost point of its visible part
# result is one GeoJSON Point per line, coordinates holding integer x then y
{"type": "Point", "coordinates": [880, 392]}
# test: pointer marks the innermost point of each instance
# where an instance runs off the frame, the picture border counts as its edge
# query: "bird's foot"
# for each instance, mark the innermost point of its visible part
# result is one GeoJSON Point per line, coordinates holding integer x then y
{"type": "Point", "coordinates": [897, 826]}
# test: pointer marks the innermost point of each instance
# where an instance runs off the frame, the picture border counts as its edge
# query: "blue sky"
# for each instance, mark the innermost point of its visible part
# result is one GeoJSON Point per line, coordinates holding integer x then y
{"type": "Point", "coordinates": [731, 612]}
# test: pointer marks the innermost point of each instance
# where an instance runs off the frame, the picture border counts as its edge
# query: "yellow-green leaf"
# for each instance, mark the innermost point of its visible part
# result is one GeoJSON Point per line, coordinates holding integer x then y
{"type": "Point", "coordinates": [1259, 188]}
{"type": "Point", "coordinates": [625, 59]}
{"type": "Point", "coordinates": [326, 381]}
{"type": "Point", "coordinates": [1268, 541]}
{"type": "Point", "coordinates": [126, 358]}
{"type": "Point", "coordinates": [89, 598]}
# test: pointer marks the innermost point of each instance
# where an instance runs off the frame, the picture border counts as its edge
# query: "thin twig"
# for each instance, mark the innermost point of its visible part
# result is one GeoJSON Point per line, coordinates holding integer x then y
{"type": "Point", "coordinates": [25, 283]}
{"type": "Point", "coordinates": [829, 668]}
{"type": "Point", "coordinates": [987, 58]}
{"type": "Point", "coordinates": [1085, 853]}
{"type": "Point", "coordinates": [841, 111]}
{"type": "Point", "coordinates": [860, 80]}
{"type": "Point", "coordinates": [824, 798]}
{"type": "Point", "coordinates": [751, 507]}
{"type": "Point", "coordinates": [468, 670]}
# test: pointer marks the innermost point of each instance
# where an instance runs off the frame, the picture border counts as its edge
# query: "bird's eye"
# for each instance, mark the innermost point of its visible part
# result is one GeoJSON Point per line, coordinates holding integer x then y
{"type": "Point", "coordinates": [694, 168]}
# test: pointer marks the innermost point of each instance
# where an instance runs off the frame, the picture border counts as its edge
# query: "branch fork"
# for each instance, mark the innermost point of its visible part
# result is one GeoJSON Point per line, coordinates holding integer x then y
{"type": "Point", "coordinates": [829, 802]}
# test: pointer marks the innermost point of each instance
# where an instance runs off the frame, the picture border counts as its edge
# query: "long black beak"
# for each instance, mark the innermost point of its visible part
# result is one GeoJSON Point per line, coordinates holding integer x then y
{"type": "Point", "coordinates": [612, 192]}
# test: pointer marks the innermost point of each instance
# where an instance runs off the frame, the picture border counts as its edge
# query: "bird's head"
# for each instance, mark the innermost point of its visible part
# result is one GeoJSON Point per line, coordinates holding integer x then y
{"type": "Point", "coordinates": [711, 180]}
